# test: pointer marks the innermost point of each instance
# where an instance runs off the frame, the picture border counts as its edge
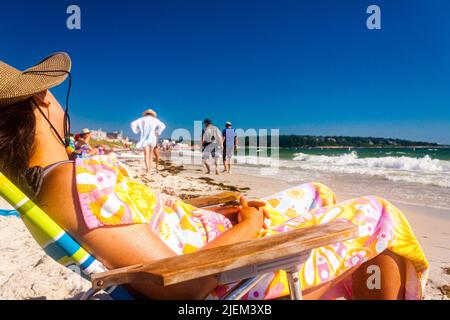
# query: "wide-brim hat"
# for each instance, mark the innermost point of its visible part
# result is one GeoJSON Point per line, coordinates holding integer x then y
{"type": "Point", "coordinates": [16, 86]}
{"type": "Point", "coordinates": [149, 112]}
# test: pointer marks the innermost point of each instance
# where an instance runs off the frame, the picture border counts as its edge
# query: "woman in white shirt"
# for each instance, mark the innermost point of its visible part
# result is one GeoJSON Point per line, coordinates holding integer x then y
{"type": "Point", "coordinates": [150, 129]}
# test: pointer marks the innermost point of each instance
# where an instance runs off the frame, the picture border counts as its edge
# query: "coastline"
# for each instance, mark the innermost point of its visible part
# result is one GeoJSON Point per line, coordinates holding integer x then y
{"type": "Point", "coordinates": [27, 273]}
{"type": "Point", "coordinates": [375, 147]}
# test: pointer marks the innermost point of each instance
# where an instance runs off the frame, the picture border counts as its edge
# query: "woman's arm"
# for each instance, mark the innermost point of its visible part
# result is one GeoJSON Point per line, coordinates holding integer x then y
{"type": "Point", "coordinates": [135, 244]}
{"type": "Point", "coordinates": [160, 127]}
{"type": "Point", "coordinates": [135, 126]}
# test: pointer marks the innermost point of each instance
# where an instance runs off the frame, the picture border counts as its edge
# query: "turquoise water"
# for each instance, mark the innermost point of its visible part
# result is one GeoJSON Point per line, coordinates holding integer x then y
{"type": "Point", "coordinates": [420, 165]}
{"type": "Point", "coordinates": [433, 153]}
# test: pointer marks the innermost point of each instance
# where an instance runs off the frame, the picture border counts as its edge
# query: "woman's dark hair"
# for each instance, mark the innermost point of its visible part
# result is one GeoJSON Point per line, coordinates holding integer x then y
{"type": "Point", "coordinates": [17, 132]}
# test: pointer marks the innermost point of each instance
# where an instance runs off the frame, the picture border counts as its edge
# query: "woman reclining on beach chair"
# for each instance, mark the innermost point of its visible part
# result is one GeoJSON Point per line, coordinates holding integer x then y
{"type": "Point", "coordinates": [122, 222]}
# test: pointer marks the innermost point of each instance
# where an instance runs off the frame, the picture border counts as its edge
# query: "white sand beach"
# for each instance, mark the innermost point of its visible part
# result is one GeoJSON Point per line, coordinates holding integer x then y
{"type": "Point", "coordinates": [27, 273]}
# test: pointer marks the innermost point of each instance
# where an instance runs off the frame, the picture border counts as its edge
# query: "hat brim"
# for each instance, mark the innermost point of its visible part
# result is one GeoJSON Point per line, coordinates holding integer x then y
{"type": "Point", "coordinates": [149, 113]}
{"type": "Point", "coordinates": [46, 74]}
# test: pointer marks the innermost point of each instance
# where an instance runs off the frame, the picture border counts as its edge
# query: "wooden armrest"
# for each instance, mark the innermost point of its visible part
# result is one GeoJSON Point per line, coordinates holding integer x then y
{"type": "Point", "coordinates": [217, 260]}
{"type": "Point", "coordinates": [215, 199]}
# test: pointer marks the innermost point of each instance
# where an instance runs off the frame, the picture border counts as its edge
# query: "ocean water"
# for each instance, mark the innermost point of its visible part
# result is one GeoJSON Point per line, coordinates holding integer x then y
{"type": "Point", "coordinates": [411, 176]}
{"type": "Point", "coordinates": [418, 177]}
{"type": "Point", "coordinates": [423, 166]}
{"type": "Point", "coordinates": [427, 166]}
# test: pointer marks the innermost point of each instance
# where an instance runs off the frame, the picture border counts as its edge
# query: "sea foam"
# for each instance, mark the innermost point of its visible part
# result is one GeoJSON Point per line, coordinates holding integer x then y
{"type": "Point", "coordinates": [424, 164]}
{"type": "Point", "coordinates": [424, 170]}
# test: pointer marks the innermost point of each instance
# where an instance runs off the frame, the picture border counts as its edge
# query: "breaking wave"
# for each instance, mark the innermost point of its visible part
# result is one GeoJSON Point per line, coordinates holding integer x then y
{"type": "Point", "coordinates": [424, 164]}
{"type": "Point", "coordinates": [423, 170]}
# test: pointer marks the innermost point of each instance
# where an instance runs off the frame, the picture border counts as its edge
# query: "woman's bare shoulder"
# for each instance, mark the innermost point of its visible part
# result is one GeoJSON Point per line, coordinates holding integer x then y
{"type": "Point", "coordinates": [59, 198]}
{"type": "Point", "coordinates": [115, 246]}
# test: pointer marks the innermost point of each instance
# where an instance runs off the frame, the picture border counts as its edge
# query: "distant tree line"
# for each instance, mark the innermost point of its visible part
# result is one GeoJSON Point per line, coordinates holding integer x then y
{"type": "Point", "coordinates": [300, 141]}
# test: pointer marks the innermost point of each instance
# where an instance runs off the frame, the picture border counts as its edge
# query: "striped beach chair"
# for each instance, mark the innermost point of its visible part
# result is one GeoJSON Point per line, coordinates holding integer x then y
{"type": "Point", "coordinates": [57, 243]}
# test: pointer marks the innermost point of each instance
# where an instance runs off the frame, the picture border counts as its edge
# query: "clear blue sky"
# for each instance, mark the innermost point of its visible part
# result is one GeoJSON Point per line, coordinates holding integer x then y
{"type": "Point", "coordinates": [306, 67]}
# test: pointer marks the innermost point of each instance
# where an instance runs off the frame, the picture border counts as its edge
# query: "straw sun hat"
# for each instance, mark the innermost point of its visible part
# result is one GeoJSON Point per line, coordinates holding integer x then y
{"type": "Point", "coordinates": [149, 112]}
{"type": "Point", "coordinates": [18, 85]}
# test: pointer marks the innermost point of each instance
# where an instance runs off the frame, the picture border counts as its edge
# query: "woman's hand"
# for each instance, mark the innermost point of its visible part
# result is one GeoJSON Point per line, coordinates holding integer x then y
{"type": "Point", "coordinates": [252, 211]}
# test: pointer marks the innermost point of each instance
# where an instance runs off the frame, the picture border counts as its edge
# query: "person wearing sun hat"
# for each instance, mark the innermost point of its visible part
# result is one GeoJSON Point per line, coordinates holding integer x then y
{"type": "Point", "coordinates": [122, 222]}
{"type": "Point", "coordinates": [16, 86]}
{"type": "Point", "coordinates": [149, 112]}
{"type": "Point", "coordinates": [150, 129]}
{"type": "Point", "coordinates": [24, 97]}
{"type": "Point", "coordinates": [83, 145]}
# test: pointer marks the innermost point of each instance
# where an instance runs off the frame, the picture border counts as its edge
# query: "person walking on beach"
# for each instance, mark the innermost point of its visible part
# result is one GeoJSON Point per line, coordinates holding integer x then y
{"type": "Point", "coordinates": [150, 128]}
{"type": "Point", "coordinates": [230, 141]}
{"type": "Point", "coordinates": [211, 144]}
{"type": "Point", "coordinates": [83, 144]}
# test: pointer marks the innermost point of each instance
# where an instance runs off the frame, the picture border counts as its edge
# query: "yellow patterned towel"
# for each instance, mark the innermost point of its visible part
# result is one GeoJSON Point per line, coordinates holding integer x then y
{"type": "Point", "coordinates": [108, 196]}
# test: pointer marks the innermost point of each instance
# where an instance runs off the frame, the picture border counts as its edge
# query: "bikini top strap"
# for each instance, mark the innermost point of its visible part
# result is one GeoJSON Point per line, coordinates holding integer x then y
{"type": "Point", "coordinates": [50, 168]}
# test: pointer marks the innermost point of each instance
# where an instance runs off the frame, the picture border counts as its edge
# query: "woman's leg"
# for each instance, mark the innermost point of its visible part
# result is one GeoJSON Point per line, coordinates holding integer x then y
{"type": "Point", "coordinates": [150, 158]}
{"type": "Point", "coordinates": [146, 152]}
{"type": "Point", "coordinates": [382, 278]}
{"type": "Point", "coordinates": [156, 152]}
{"type": "Point", "coordinates": [373, 265]}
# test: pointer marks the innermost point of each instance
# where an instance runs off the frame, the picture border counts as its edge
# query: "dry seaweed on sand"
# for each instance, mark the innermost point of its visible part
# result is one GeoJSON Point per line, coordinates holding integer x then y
{"type": "Point", "coordinates": [170, 168]}
{"type": "Point", "coordinates": [145, 179]}
{"type": "Point", "coordinates": [186, 196]}
{"type": "Point", "coordinates": [445, 290]}
{"type": "Point", "coordinates": [446, 270]}
{"type": "Point", "coordinates": [223, 186]}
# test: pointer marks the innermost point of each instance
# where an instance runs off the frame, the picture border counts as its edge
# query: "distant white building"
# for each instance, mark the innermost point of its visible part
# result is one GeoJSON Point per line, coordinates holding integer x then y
{"type": "Point", "coordinates": [117, 137]}
{"type": "Point", "coordinates": [98, 134]}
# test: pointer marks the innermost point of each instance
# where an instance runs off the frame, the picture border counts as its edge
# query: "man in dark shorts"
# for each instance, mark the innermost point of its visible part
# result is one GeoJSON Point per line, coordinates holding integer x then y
{"type": "Point", "coordinates": [229, 146]}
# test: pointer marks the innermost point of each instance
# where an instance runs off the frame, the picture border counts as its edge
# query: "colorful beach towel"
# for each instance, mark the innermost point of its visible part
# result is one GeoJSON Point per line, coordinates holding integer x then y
{"type": "Point", "coordinates": [108, 196]}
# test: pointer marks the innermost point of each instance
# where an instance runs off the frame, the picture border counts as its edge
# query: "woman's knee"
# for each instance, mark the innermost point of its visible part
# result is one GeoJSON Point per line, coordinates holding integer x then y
{"type": "Point", "coordinates": [382, 277]}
